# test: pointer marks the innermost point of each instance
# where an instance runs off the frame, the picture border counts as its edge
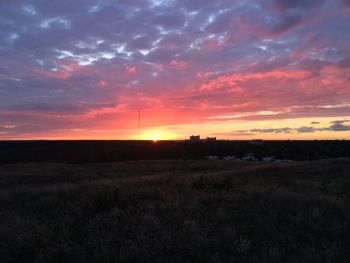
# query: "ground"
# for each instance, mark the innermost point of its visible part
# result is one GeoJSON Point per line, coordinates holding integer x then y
{"type": "Point", "coordinates": [175, 211]}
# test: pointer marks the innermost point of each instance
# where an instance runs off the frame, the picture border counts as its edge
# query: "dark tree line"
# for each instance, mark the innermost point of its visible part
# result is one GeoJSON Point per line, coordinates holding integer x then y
{"type": "Point", "coordinates": [106, 151]}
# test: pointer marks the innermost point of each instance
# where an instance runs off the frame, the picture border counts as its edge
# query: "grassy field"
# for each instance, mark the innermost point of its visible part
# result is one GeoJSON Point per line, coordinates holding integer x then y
{"type": "Point", "coordinates": [175, 211]}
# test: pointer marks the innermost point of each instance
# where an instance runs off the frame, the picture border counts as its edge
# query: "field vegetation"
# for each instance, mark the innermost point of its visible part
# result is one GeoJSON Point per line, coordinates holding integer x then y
{"type": "Point", "coordinates": [175, 211]}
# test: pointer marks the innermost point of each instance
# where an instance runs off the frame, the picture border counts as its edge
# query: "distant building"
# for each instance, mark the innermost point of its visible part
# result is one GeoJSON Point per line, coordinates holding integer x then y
{"type": "Point", "coordinates": [229, 158]}
{"type": "Point", "coordinates": [195, 138]}
{"type": "Point", "coordinates": [210, 139]}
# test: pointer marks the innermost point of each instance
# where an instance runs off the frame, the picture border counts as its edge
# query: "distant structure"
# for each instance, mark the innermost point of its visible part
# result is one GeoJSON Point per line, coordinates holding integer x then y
{"type": "Point", "coordinates": [138, 125]}
{"type": "Point", "coordinates": [195, 138]}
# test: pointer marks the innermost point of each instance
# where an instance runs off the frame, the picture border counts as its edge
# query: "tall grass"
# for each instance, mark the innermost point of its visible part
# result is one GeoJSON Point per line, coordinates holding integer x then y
{"type": "Point", "coordinates": [175, 211]}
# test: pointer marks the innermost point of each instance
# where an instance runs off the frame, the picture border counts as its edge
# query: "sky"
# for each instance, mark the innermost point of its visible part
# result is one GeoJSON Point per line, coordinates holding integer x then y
{"type": "Point", "coordinates": [238, 69]}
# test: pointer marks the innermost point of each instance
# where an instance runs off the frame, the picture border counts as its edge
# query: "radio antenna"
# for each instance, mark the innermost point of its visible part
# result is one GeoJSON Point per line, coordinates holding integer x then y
{"type": "Point", "coordinates": [138, 126]}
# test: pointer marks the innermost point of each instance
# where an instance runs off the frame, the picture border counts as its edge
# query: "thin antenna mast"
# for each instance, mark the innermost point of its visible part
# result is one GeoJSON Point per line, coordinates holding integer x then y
{"type": "Point", "coordinates": [139, 120]}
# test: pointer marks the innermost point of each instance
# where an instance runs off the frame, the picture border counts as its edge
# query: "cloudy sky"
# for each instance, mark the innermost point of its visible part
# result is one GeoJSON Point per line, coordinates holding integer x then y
{"type": "Point", "coordinates": [238, 69]}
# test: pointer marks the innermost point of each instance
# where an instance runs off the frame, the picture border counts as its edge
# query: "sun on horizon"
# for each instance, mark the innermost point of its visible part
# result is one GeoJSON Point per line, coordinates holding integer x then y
{"type": "Point", "coordinates": [157, 135]}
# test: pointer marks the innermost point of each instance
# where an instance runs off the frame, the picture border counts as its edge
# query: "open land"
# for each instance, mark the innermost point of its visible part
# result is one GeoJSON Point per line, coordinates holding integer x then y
{"type": "Point", "coordinates": [175, 211]}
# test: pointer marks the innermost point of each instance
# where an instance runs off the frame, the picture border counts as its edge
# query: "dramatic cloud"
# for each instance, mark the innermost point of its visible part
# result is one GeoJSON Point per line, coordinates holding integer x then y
{"type": "Point", "coordinates": [70, 68]}
{"type": "Point", "coordinates": [307, 129]}
{"type": "Point", "coordinates": [272, 130]}
{"type": "Point", "coordinates": [340, 126]}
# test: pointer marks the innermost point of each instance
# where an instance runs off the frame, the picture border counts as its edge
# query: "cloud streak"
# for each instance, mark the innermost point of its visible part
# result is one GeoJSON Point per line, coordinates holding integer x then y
{"type": "Point", "coordinates": [336, 126]}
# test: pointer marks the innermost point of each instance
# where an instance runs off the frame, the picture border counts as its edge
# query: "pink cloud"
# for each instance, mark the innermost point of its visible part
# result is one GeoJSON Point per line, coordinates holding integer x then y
{"type": "Point", "coordinates": [103, 84]}
{"type": "Point", "coordinates": [55, 74]}
{"type": "Point", "coordinates": [65, 69]}
{"type": "Point", "coordinates": [232, 81]}
{"type": "Point", "coordinates": [131, 70]}
{"type": "Point", "coordinates": [179, 64]}
{"type": "Point", "coordinates": [212, 44]}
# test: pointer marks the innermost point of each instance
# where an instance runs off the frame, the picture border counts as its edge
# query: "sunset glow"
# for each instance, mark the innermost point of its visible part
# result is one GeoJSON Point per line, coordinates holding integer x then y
{"type": "Point", "coordinates": [270, 69]}
{"type": "Point", "coordinates": [157, 135]}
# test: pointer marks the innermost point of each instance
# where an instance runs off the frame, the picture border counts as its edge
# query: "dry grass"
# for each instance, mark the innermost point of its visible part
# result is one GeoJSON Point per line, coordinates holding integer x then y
{"type": "Point", "coordinates": [175, 211]}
